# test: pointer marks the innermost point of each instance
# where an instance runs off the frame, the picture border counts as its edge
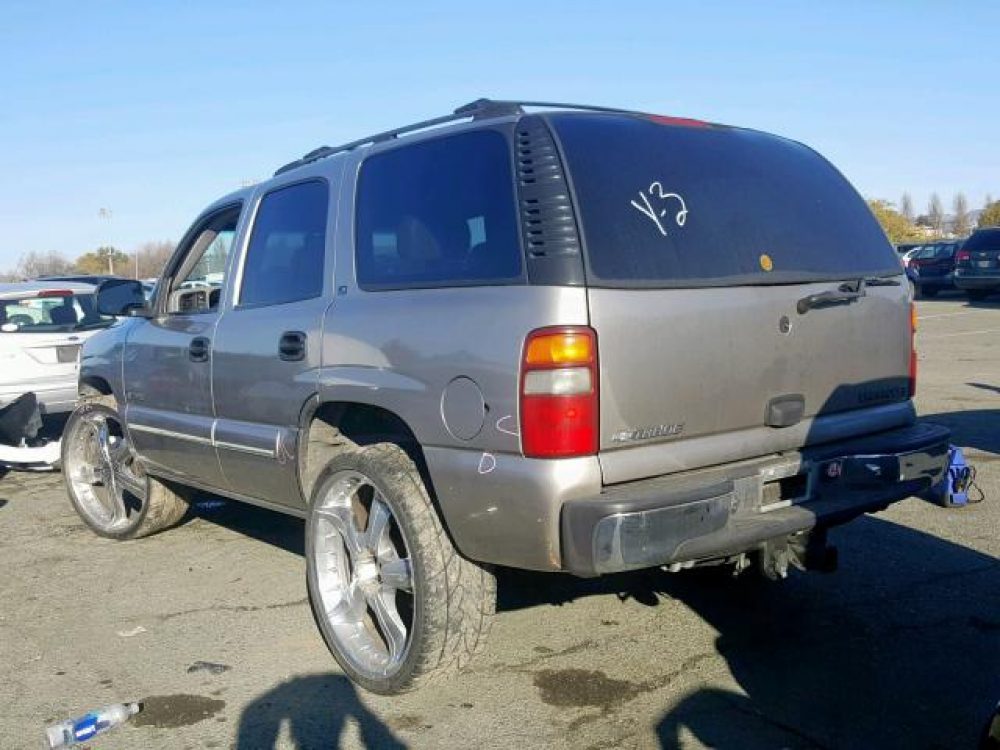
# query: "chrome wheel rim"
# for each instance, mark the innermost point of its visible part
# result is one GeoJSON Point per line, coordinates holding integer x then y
{"type": "Point", "coordinates": [103, 472]}
{"type": "Point", "coordinates": [364, 579]}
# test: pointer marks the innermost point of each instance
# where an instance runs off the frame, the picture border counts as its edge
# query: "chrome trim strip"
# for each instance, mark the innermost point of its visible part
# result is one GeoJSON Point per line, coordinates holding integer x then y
{"type": "Point", "coordinates": [269, 453]}
{"type": "Point", "coordinates": [245, 448]}
{"type": "Point", "coordinates": [170, 433]}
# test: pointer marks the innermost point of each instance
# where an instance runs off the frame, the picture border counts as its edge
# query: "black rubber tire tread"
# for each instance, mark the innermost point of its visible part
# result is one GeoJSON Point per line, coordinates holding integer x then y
{"type": "Point", "coordinates": [166, 504]}
{"type": "Point", "coordinates": [977, 294]}
{"type": "Point", "coordinates": [454, 610]}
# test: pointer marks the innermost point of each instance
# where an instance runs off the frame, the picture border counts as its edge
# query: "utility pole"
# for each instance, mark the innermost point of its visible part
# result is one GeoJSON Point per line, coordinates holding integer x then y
{"type": "Point", "coordinates": [105, 213]}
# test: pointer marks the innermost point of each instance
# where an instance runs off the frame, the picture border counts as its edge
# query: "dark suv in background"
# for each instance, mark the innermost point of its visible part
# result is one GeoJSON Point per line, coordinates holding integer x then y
{"type": "Point", "coordinates": [933, 267]}
{"type": "Point", "coordinates": [977, 264]}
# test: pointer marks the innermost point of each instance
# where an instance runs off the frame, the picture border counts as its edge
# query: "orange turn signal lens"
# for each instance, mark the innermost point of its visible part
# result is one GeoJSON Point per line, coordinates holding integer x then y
{"type": "Point", "coordinates": [913, 317]}
{"type": "Point", "coordinates": [560, 348]}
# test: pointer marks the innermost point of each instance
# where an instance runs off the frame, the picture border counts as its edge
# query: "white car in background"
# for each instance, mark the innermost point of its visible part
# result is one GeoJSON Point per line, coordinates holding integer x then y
{"type": "Point", "coordinates": [43, 324]}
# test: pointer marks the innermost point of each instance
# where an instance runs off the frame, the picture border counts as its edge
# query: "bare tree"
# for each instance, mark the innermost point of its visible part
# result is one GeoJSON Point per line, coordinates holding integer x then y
{"type": "Point", "coordinates": [906, 207]}
{"type": "Point", "coordinates": [152, 257]}
{"type": "Point", "coordinates": [960, 224]}
{"type": "Point", "coordinates": [35, 264]}
{"type": "Point", "coordinates": [935, 212]}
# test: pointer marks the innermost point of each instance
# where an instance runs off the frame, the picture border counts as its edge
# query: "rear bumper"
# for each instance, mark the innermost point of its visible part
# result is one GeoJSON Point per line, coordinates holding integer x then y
{"type": "Point", "coordinates": [977, 281]}
{"type": "Point", "coordinates": [936, 282]}
{"type": "Point", "coordinates": [721, 512]}
{"type": "Point", "coordinates": [53, 398]}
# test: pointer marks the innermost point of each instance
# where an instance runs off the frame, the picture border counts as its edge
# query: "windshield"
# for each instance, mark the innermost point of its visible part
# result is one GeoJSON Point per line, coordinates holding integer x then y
{"type": "Point", "coordinates": [713, 206]}
{"type": "Point", "coordinates": [60, 313]}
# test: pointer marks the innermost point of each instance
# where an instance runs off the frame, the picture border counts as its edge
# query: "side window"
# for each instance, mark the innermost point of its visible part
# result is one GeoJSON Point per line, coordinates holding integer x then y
{"type": "Point", "coordinates": [203, 262]}
{"type": "Point", "coordinates": [285, 257]}
{"type": "Point", "coordinates": [438, 213]}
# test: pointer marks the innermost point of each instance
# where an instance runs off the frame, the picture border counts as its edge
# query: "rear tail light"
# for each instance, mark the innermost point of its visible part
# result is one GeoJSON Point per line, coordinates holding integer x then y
{"type": "Point", "coordinates": [55, 293]}
{"type": "Point", "coordinates": [963, 256]}
{"type": "Point", "coordinates": [559, 393]}
{"type": "Point", "coordinates": [913, 350]}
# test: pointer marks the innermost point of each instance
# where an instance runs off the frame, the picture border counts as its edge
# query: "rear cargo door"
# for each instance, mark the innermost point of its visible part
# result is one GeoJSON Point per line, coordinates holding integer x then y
{"type": "Point", "coordinates": [745, 299]}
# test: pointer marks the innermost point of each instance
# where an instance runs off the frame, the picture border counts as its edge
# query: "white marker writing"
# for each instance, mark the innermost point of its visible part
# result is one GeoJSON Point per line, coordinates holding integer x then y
{"type": "Point", "coordinates": [487, 463]}
{"type": "Point", "coordinates": [646, 207]}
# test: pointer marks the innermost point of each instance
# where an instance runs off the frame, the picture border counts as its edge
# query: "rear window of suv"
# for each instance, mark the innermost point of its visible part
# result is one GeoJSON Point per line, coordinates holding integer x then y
{"type": "Point", "coordinates": [983, 240]}
{"type": "Point", "coordinates": [665, 205]}
{"type": "Point", "coordinates": [438, 213]}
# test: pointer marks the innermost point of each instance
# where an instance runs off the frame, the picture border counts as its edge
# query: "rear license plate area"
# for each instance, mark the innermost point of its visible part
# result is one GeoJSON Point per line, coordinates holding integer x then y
{"type": "Point", "coordinates": [858, 472]}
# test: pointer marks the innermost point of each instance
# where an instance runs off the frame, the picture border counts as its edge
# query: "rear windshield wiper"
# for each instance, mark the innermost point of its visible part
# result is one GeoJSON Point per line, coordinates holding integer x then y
{"type": "Point", "coordinates": [881, 281]}
{"type": "Point", "coordinates": [846, 293]}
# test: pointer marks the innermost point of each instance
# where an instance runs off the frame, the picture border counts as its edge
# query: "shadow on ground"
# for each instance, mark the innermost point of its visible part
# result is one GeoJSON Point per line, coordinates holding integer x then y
{"type": "Point", "coordinates": [277, 529]}
{"type": "Point", "coordinates": [976, 428]}
{"type": "Point", "coordinates": [900, 648]}
{"type": "Point", "coordinates": [315, 708]}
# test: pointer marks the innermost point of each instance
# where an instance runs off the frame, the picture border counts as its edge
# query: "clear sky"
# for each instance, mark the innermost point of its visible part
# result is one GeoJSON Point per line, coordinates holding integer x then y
{"type": "Point", "coordinates": [153, 109]}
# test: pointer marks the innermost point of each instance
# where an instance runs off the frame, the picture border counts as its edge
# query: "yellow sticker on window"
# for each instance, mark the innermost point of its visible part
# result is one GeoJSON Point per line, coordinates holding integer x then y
{"type": "Point", "coordinates": [765, 262]}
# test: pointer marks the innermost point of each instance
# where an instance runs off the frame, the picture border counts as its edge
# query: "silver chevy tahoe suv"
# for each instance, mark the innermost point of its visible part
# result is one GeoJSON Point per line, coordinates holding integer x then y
{"type": "Point", "coordinates": [577, 339]}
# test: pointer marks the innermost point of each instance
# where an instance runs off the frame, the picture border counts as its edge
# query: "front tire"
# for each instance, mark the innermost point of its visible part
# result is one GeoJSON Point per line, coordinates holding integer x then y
{"type": "Point", "coordinates": [394, 601]}
{"type": "Point", "coordinates": [106, 483]}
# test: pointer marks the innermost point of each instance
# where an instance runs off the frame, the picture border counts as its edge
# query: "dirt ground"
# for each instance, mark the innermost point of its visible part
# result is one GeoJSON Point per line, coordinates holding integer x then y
{"type": "Point", "coordinates": [208, 623]}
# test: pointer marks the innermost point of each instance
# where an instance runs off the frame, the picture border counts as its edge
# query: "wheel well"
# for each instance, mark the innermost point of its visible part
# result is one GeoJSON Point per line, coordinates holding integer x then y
{"type": "Point", "coordinates": [94, 386]}
{"type": "Point", "coordinates": [344, 426]}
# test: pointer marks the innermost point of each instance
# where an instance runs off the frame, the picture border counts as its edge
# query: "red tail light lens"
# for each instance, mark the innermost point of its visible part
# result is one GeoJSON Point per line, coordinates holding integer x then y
{"type": "Point", "coordinates": [963, 256]}
{"type": "Point", "coordinates": [913, 350]}
{"type": "Point", "coordinates": [559, 393]}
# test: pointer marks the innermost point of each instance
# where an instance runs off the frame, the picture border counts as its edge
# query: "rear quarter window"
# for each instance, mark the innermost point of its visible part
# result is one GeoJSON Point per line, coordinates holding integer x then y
{"type": "Point", "coordinates": [438, 213]}
{"type": "Point", "coordinates": [665, 205]}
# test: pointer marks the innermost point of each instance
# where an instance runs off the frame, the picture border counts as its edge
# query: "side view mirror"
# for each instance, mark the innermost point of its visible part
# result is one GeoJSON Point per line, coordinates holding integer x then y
{"type": "Point", "coordinates": [121, 297]}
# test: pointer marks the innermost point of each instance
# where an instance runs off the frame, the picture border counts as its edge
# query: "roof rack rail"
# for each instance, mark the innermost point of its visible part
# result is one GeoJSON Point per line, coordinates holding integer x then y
{"type": "Point", "coordinates": [480, 109]}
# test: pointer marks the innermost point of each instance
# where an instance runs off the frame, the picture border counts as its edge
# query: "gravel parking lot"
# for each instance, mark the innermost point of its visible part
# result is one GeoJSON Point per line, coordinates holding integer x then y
{"type": "Point", "coordinates": [209, 625]}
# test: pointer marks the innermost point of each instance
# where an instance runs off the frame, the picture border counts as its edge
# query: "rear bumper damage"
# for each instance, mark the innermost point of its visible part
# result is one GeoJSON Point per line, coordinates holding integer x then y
{"type": "Point", "coordinates": [725, 511]}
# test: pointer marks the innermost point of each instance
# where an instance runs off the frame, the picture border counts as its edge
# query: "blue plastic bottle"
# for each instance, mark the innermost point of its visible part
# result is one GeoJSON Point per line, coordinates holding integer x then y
{"type": "Point", "coordinates": [74, 731]}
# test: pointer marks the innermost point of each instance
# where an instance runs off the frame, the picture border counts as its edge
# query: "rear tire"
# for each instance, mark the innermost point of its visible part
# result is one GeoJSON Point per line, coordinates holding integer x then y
{"type": "Point", "coordinates": [977, 295]}
{"type": "Point", "coordinates": [106, 483]}
{"type": "Point", "coordinates": [396, 604]}
{"type": "Point", "coordinates": [928, 292]}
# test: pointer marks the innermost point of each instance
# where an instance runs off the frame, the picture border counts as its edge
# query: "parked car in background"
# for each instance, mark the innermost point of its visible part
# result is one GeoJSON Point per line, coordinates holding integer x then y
{"type": "Point", "coordinates": [911, 272]}
{"type": "Point", "coordinates": [977, 266]}
{"type": "Point", "coordinates": [83, 278]}
{"type": "Point", "coordinates": [42, 327]}
{"type": "Point", "coordinates": [904, 247]}
{"type": "Point", "coordinates": [931, 267]}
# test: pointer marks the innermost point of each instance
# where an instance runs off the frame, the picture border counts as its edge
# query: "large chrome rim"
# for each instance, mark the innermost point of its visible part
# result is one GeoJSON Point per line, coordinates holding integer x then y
{"type": "Point", "coordinates": [363, 575]}
{"type": "Point", "coordinates": [106, 478]}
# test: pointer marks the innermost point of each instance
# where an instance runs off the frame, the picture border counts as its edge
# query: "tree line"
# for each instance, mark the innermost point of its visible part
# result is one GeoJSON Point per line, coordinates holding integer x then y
{"type": "Point", "coordinates": [902, 224]}
{"type": "Point", "coordinates": [145, 262]}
